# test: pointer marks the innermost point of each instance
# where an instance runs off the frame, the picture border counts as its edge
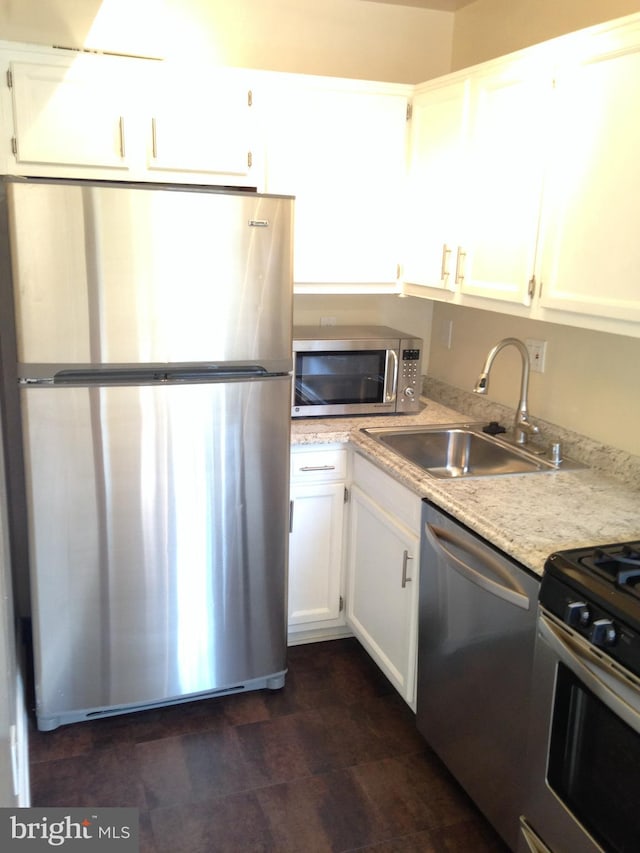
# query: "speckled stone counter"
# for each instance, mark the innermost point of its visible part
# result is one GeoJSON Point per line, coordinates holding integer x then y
{"type": "Point", "coordinates": [528, 516]}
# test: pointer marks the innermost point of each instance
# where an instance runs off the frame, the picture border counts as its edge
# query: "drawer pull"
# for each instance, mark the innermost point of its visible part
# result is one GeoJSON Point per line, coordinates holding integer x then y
{"type": "Point", "coordinates": [318, 468]}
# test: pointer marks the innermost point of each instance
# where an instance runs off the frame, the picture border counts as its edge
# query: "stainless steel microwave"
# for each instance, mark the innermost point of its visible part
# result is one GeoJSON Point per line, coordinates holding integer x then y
{"type": "Point", "coordinates": [354, 370]}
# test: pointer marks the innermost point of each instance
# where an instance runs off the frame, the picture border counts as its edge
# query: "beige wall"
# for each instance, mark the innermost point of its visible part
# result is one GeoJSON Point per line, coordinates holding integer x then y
{"type": "Point", "coordinates": [489, 28]}
{"type": "Point", "coordinates": [591, 382]}
{"type": "Point", "coordinates": [343, 38]}
{"type": "Point", "coordinates": [407, 314]}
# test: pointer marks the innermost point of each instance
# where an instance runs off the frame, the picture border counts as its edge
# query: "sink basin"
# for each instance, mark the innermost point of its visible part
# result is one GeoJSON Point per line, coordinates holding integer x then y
{"type": "Point", "coordinates": [458, 451]}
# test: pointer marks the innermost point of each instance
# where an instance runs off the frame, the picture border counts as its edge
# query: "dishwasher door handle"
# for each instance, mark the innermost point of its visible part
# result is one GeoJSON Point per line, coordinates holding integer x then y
{"type": "Point", "coordinates": [508, 589]}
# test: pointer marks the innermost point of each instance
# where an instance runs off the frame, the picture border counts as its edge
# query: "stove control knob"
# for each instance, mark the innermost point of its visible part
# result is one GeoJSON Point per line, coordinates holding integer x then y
{"type": "Point", "coordinates": [577, 614]}
{"type": "Point", "coordinates": [603, 633]}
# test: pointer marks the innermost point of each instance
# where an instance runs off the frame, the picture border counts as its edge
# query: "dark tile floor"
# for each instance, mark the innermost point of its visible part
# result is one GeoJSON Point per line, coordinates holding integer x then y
{"type": "Point", "coordinates": [332, 762]}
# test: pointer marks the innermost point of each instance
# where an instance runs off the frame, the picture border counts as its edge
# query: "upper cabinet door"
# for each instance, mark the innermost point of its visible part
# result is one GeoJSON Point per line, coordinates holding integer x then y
{"type": "Point", "coordinates": [203, 125]}
{"type": "Point", "coordinates": [72, 113]}
{"type": "Point", "coordinates": [590, 249]}
{"type": "Point", "coordinates": [475, 184]}
{"type": "Point", "coordinates": [502, 198]}
{"type": "Point", "coordinates": [436, 185]}
{"type": "Point", "coordinates": [340, 148]}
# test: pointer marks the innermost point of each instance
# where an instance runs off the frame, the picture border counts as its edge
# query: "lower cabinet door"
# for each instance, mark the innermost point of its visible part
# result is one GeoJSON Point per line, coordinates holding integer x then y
{"type": "Point", "coordinates": [315, 553]}
{"type": "Point", "coordinates": [382, 590]}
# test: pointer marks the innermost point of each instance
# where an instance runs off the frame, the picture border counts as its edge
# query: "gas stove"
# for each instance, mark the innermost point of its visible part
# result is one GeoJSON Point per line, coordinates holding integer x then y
{"type": "Point", "coordinates": [595, 591]}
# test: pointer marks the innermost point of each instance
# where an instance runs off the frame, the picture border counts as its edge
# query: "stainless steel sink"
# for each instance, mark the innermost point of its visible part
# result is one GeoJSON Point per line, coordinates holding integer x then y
{"type": "Point", "coordinates": [459, 450]}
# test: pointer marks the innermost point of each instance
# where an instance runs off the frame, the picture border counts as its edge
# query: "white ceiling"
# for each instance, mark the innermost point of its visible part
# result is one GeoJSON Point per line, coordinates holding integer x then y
{"type": "Point", "coordinates": [440, 5]}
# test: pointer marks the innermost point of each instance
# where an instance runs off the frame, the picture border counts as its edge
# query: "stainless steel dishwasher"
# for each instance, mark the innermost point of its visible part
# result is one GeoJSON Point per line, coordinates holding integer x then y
{"type": "Point", "coordinates": [475, 656]}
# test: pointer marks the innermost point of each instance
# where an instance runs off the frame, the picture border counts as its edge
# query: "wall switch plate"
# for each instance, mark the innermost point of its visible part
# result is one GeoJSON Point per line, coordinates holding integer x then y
{"type": "Point", "coordinates": [537, 354]}
{"type": "Point", "coordinates": [327, 321]}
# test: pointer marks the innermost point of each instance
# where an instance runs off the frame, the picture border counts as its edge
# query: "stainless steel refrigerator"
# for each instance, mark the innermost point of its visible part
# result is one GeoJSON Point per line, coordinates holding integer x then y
{"type": "Point", "coordinates": [153, 338]}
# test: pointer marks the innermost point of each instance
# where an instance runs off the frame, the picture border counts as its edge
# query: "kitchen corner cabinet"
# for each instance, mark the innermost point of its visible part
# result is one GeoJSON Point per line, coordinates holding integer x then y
{"type": "Point", "coordinates": [339, 146]}
{"type": "Point", "coordinates": [382, 572]}
{"type": "Point", "coordinates": [318, 482]}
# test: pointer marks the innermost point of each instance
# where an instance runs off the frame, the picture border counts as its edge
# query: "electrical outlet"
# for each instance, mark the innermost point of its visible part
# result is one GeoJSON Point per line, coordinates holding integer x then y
{"type": "Point", "coordinates": [537, 354]}
{"type": "Point", "coordinates": [327, 321]}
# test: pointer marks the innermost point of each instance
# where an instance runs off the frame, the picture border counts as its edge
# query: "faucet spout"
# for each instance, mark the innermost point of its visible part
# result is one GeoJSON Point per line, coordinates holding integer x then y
{"type": "Point", "coordinates": [523, 427]}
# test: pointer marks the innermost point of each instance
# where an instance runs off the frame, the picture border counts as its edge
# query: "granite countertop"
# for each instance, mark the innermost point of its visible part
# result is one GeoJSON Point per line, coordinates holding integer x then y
{"type": "Point", "coordinates": [528, 516]}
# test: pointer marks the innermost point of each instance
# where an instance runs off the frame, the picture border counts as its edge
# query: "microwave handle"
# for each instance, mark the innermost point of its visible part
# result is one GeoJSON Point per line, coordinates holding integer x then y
{"type": "Point", "coordinates": [390, 376]}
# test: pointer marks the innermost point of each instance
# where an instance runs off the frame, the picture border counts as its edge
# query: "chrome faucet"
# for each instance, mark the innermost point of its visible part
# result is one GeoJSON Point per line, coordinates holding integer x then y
{"type": "Point", "coordinates": [522, 427]}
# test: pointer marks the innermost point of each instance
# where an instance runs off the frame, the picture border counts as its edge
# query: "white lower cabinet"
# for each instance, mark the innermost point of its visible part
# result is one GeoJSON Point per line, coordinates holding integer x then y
{"type": "Point", "coordinates": [316, 595]}
{"type": "Point", "coordinates": [383, 566]}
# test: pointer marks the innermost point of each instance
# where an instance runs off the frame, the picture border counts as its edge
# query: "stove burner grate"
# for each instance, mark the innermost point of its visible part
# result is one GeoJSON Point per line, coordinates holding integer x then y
{"type": "Point", "coordinates": [619, 565]}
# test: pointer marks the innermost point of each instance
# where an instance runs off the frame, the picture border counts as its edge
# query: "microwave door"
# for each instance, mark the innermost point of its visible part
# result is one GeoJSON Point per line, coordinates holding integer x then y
{"type": "Point", "coordinates": [342, 378]}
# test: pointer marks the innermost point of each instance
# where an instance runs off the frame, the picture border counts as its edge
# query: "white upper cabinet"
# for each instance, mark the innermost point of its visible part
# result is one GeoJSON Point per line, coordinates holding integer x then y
{"type": "Point", "coordinates": [436, 184]}
{"type": "Point", "coordinates": [202, 122]}
{"type": "Point", "coordinates": [590, 253]}
{"type": "Point", "coordinates": [84, 115]}
{"type": "Point", "coordinates": [523, 177]}
{"type": "Point", "coordinates": [503, 181]}
{"type": "Point", "coordinates": [475, 183]}
{"type": "Point", "coordinates": [75, 111]}
{"type": "Point", "coordinates": [340, 148]}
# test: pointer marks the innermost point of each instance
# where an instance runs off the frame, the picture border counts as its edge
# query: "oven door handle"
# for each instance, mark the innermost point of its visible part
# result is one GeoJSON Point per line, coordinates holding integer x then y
{"type": "Point", "coordinates": [596, 671]}
{"type": "Point", "coordinates": [506, 588]}
{"type": "Point", "coordinates": [390, 376]}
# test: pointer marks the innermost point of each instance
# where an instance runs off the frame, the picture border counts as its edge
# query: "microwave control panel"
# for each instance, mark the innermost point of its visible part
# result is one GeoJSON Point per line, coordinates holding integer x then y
{"type": "Point", "coordinates": [409, 375]}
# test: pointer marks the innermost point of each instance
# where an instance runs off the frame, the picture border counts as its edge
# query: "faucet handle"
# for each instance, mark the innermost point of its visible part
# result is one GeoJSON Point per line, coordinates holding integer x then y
{"type": "Point", "coordinates": [555, 452]}
{"type": "Point", "coordinates": [524, 428]}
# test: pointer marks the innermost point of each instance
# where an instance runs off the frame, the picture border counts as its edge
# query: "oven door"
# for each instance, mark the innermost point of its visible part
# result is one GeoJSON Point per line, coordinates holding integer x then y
{"type": "Point", "coordinates": [585, 747]}
{"type": "Point", "coordinates": [344, 378]}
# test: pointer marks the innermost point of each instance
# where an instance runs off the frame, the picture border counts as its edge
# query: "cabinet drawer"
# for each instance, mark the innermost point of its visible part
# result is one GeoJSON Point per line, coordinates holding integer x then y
{"type": "Point", "coordinates": [387, 492]}
{"type": "Point", "coordinates": [327, 463]}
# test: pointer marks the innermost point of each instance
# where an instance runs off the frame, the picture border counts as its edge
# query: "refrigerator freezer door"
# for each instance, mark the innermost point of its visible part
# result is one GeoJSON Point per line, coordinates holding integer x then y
{"type": "Point", "coordinates": [144, 274]}
{"type": "Point", "coordinates": [156, 571]}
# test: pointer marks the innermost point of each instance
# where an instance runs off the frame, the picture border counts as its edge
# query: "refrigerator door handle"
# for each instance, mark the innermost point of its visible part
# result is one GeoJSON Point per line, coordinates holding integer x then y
{"type": "Point", "coordinates": [155, 374]}
{"type": "Point", "coordinates": [216, 372]}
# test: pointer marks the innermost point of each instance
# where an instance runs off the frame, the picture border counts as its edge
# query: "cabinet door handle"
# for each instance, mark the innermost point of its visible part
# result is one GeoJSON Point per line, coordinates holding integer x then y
{"type": "Point", "coordinates": [318, 468]}
{"type": "Point", "coordinates": [460, 264]}
{"type": "Point", "coordinates": [291, 503]}
{"type": "Point", "coordinates": [121, 128]}
{"type": "Point", "coordinates": [444, 268]}
{"type": "Point", "coordinates": [154, 139]}
{"type": "Point", "coordinates": [405, 560]}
